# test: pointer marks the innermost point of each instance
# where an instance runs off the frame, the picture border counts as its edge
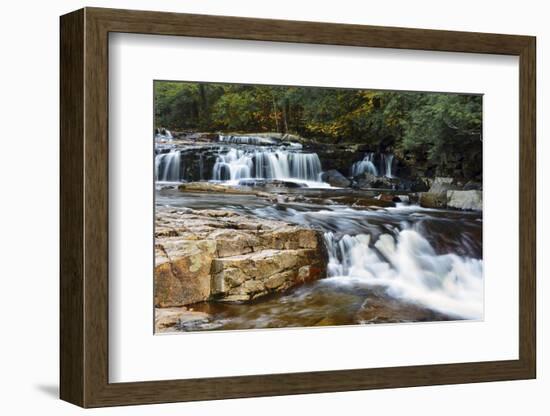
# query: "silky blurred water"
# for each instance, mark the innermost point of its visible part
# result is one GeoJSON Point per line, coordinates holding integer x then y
{"type": "Point", "coordinates": [401, 264]}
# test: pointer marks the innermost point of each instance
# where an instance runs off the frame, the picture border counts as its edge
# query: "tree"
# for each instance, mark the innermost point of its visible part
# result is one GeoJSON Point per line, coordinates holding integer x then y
{"type": "Point", "coordinates": [446, 127]}
{"type": "Point", "coordinates": [437, 127]}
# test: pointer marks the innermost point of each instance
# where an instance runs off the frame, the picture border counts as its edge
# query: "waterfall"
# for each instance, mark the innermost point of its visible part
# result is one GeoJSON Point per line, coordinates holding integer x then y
{"type": "Point", "coordinates": [267, 164]}
{"type": "Point", "coordinates": [168, 166]}
{"type": "Point", "coordinates": [387, 160]}
{"type": "Point", "coordinates": [235, 164]}
{"type": "Point", "coordinates": [368, 165]}
{"type": "Point", "coordinates": [271, 164]}
{"type": "Point", "coordinates": [364, 166]}
{"type": "Point", "coordinates": [411, 270]}
{"type": "Point", "coordinates": [163, 135]}
{"type": "Point", "coordinates": [305, 166]}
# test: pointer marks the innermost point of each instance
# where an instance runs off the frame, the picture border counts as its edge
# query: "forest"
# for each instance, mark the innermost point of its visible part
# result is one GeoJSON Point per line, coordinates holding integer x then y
{"type": "Point", "coordinates": [435, 126]}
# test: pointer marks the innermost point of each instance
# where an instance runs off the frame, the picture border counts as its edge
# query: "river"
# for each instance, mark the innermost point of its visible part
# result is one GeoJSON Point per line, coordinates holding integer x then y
{"type": "Point", "coordinates": [386, 264]}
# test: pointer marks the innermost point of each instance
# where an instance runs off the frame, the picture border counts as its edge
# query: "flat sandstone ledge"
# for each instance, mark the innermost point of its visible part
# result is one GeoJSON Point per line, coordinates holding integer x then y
{"type": "Point", "coordinates": [220, 255]}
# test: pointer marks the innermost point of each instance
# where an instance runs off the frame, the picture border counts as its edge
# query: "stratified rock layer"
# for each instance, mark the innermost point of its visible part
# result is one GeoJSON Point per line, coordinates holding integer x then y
{"type": "Point", "coordinates": [221, 255]}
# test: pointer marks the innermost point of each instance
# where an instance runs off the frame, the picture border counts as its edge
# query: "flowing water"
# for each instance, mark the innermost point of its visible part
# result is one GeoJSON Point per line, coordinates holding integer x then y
{"type": "Point", "coordinates": [279, 164]}
{"type": "Point", "coordinates": [364, 166]}
{"type": "Point", "coordinates": [401, 264]}
{"type": "Point", "coordinates": [235, 158]}
{"type": "Point", "coordinates": [377, 164]}
{"type": "Point", "coordinates": [168, 166]}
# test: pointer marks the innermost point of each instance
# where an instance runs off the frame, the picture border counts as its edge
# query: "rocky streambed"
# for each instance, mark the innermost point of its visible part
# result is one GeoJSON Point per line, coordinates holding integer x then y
{"type": "Point", "coordinates": [256, 232]}
{"type": "Point", "coordinates": [305, 257]}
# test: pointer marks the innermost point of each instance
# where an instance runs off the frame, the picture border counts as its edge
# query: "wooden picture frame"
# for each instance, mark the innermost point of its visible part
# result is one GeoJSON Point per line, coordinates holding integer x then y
{"type": "Point", "coordinates": [84, 207]}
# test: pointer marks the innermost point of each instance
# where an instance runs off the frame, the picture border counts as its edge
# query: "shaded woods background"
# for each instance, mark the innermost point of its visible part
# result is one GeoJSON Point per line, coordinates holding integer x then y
{"type": "Point", "coordinates": [436, 128]}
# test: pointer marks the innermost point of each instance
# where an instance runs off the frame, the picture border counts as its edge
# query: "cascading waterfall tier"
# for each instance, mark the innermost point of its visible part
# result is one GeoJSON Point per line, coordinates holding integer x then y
{"type": "Point", "coordinates": [168, 166]}
{"type": "Point", "coordinates": [267, 164]}
{"type": "Point", "coordinates": [411, 270]}
{"type": "Point", "coordinates": [364, 166]}
{"type": "Point", "coordinates": [163, 135]}
{"type": "Point", "coordinates": [387, 160]}
{"type": "Point", "coordinates": [369, 164]}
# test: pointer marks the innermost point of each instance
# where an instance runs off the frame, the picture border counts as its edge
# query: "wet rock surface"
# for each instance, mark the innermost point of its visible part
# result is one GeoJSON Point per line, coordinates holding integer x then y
{"type": "Point", "coordinates": [335, 178]}
{"type": "Point", "coordinates": [370, 181]}
{"type": "Point", "coordinates": [432, 200]}
{"type": "Point", "coordinates": [317, 304]}
{"type": "Point", "coordinates": [174, 319]}
{"type": "Point", "coordinates": [380, 308]}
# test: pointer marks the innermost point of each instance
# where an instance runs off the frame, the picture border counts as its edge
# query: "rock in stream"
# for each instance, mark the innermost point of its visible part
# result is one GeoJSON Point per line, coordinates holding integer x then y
{"type": "Point", "coordinates": [221, 255]}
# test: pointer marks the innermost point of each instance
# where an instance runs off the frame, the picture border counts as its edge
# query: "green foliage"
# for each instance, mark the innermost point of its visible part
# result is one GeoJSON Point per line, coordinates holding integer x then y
{"type": "Point", "coordinates": [435, 127]}
{"type": "Point", "coordinates": [185, 105]}
{"type": "Point", "coordinates": [445, 127]}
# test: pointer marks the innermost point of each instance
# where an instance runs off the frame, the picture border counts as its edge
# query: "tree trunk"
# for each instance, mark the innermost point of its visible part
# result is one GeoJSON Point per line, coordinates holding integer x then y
{"type": "Point", "coordinates": [289, 115]}
{"type": "Point", "coordinates": [275, 114]}
{"type": "Point", "coordinates": [285, 123]}
{"type": "Point", "coordinates": [203, 106]}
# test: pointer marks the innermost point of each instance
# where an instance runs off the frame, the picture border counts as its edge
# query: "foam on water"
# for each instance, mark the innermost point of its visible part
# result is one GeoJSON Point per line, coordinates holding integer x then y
{"type": "Point", "coordinates": [411, 270]}
{"type": "Point", "coordinates": [168, 166]}
{"type": "Point", "coordinates": [268, 163]}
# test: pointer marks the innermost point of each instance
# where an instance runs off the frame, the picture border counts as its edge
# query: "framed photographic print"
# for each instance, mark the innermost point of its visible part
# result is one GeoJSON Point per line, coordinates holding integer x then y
{"type": "Point", "coordinates": [256, 207]}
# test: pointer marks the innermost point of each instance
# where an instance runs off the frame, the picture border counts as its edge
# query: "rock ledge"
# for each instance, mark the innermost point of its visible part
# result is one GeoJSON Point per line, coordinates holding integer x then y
{"type": "Point", "coordinates": [221, 255]}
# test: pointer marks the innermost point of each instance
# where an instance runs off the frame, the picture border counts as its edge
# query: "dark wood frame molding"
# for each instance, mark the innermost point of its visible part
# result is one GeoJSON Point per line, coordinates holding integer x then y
{"type": "Point", "coordinates": [84, 207]}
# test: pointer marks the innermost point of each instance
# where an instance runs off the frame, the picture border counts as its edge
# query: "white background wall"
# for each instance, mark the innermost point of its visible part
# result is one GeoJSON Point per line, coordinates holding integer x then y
{"type": "Point", "coordinates": [29, 218]}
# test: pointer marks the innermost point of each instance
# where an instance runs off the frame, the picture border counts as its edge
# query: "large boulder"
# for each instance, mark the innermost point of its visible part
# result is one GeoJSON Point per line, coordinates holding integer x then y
{"type": "Point", "coordinates": [221, 255]}
{"type": "Point", "coordinates": [335, 178]}
{"type": "Point", "coordinates": [432, 200]}
{"type": "Point", "coordinates": [436, 197]}
{"type": "Point", "coordinates": [182, 271]}
{"type": "Point", "coordinates": [468, 200]}
{"type": "Point", "coordinates": [370, 181]}
{"type": "Point", "coordinates": [418, 184]}
{"type": "Point", "coordinates": [441, 185]}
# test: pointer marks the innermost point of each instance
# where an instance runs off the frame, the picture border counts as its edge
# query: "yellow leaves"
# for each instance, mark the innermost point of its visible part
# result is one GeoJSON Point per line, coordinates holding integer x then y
{"type": "Point", "coordinates": [368, 99]}
{"type": "Point", "coordinates": [333, 129]}
{"type": "Point", "coordinates": [392, 120]}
